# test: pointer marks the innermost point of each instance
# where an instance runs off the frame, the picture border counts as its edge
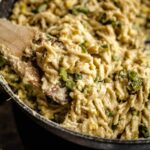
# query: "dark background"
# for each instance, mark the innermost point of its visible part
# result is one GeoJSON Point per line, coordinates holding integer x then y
{"type": "Point", "coordinates": [9, 137]}
{"type": "Point", "coordinates": [19, 132]}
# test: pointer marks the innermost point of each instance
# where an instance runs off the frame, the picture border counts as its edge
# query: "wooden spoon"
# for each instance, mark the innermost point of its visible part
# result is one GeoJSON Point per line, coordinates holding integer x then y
{"type": "Point", "coordinates": [15, 37]}
{"type": "Point", "coordinates": [13, 41]}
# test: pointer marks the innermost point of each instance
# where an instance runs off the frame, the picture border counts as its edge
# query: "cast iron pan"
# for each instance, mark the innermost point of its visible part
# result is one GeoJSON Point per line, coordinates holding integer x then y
{"type": "Point", "coordinates": [52, 127]}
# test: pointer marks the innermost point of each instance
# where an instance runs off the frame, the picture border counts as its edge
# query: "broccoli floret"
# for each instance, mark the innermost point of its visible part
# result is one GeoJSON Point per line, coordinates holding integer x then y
{"type": "Point", "coordinates": [66, 78]}
{"type": "Point", "coordinates": [133, 76]}
{"type": "Point", "coordinates": [134, 86]}
{"type": "Point", "coordinates": [70, 84]}
{"type": "Point", "coordinates": [134, 83]}
{"type": "Point", "coordinates": [63, 74]}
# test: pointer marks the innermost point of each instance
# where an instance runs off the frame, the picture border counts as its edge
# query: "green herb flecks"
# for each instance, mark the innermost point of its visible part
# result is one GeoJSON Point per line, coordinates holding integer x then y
{"type": "Point", "coordinates": [143, 131]}
{"type": "Point", "coordinates": [105, 20]}
{"type": "Point", "coordinates": [77, 10]}
{"type": "Point", "coordinates": [133, 76]}
{"type": "Point", "coordinates": [119, 75]}
{"type": "Point", "coordinates": [122, 73]}
{"type": "Point", "coordinates": [96, 79]}
{"type": "Point", "coordinates": [117, 25]}
{"type": "Point", "coordinates": [49, 37]}
{"type": "Point", "coordinates": [104, 46]}
{"type": "Point", "coordinates": [2, 61]}
{"type": "Point", "coordinates": [87, 90]}
{"type": "Point", "coordinates": [115, 58]}
{"type": "Point", "coordinates": [40, 8]}
{"type": "Point", "coordinates": [77, 76]}
{"type": "Point", "coordinates": [134, 112]}
{"type": "Point", "coordinates": [134, 86]}
{"type": "Point", "coordinates": [109, 113]}
{"type": "Point", "coordinates": [134, 83]}
{"type": "Point", "coordinates": [30, 92]}
{"type": "Point", "coordinates": [84, 49]}
{"type": "Point", "coordinates": [28, 86]}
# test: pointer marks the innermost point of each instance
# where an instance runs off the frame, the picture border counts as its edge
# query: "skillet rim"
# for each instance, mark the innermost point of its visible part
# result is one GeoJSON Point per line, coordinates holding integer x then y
{"type": "Point", "coordinates": [50, 123]}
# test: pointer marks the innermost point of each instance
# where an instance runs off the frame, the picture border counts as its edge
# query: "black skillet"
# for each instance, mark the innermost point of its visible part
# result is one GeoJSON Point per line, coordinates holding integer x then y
{"type": "Point", "coordinates": [47, 127]}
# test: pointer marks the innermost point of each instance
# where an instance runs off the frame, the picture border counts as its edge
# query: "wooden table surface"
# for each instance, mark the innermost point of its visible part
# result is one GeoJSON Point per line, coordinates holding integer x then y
{"type": "Point", "coordinates": [9, 137]}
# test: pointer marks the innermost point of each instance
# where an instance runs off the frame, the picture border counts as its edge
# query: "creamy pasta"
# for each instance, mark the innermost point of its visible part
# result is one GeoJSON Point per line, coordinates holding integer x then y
{"type": "Point", "coordinates": [94, 64]}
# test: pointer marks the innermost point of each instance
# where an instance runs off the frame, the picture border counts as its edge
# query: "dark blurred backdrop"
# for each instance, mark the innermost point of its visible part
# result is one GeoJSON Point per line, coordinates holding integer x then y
{"type": "Point", "coordinates": [9, 137]}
